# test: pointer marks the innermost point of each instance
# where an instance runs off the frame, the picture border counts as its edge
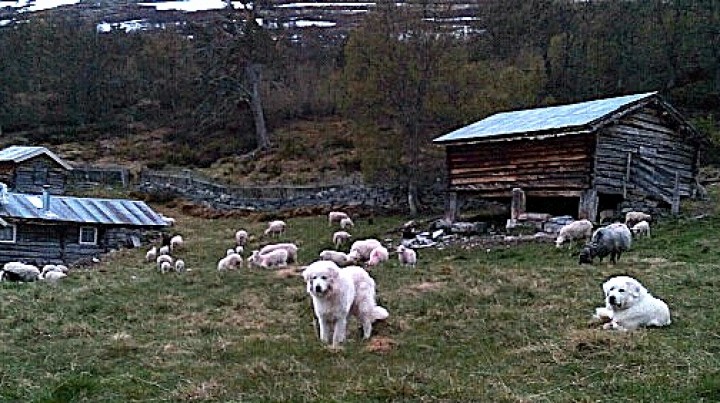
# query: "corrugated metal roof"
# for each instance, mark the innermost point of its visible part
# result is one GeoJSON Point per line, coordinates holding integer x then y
{"type": "Point", "coordinates": [80, 210]}
{"type": "Point", "coordinates": [22, 153]}
{"type": "Point", "coordinates": [542, 119]}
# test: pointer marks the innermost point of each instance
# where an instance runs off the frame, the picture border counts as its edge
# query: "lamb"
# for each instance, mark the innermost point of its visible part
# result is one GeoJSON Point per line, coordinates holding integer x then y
{"type": "Point", "coordinates": [163, 259]}
{"type": "Point", "coordinates": [581, 229]}
{"type": "Point", "coordinates": [377, 256]}
{"type": "Point", "coordinates": [165, 267]}
{"type": "Point", "coordinates": [180, 266]}
{"type": "Point", "coordinates": [360, 250]}
{"type": "Point", "coordinates": [339, 258]}
{"type": "Point", "coordinates": [273, 258]}
{"type": "Point", "coordinates": [176, 242]}
{"type": "Point", "coordinates": [291, 249]}
{"type": "Point", "coordinates": [340, 237]}
{"type": "Point", "coordinates": [336, 216]}
{"type": "Point", "coordinates": [230, 262]}
{"type": "Point", "coordinates": [347, 223]}
{"type": "Point", "coordinates": [641, 229]}
{"type": "Point", "coordinates": [612, 240]}
{"type": "Point", "coordinates": [165, 250]}
{"type": "Point", "coordinates": [51, 273]}
{"type": "Point", "coordinates": [239, 249]}
{"type": "Point", "coordinates": [151, 255]}
{"type": "Point", "coordinates": [275, 228]}
{"type": "Point", "coordinates": [241, 237]}
{"type": "Point", "coordinates": [634, 217]}
{"type": "Point", "coordinates": [406, 256]}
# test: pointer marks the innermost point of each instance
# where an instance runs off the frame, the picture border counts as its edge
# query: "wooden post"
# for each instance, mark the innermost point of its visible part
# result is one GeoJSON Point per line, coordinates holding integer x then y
{"type": "Point", "coordinates": [517, 205]}
{"type": "Point", "coordinates": [451, 206]}
{"type": "Point", "coordinates": [626, 180]}
{"type": "Point", "coordinates": [675, 206]}
{"type": "Point", "coordinates": [588, 205]}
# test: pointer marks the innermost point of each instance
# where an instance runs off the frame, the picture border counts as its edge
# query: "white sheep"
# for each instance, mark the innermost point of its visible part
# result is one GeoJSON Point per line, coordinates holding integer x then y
{"type": "Point", "coordinates": [407, 256]}
{"type": "Point", "coordinates": [229, 252]}
{"type": "Point", "coordinates": [163, 259]}
{"type": "Point", "coordinates": [275, 228]}
{"type": "Point", "coordinates": [180, 266]}
{"type": "Point", "coordinates": [151, 255]}
{"type": "Point", "coordinates": [339, 258]}
{"type": "Point", "coordinates": [273, 258]}
{"type": "Point", "coordinates": [347, 223]}
{"type": "Point", "coordinates": [641, 229]}
{"type": "Point", "coordinates": [239, 249]}
{"type": "Point", "coordinates": [377, 256]}
{"type": "Point", "coordinates": [634, 217]}
{"type": "Point", "coordinates": [291, 249]}
{"type": "Point", "coordinates": [165, 250]}
{"type": "Point", "coordinates": [336, 216]}
{"type": "Point", "coordinates": [62, 268]}
{"type": "Point", "coordinates": [176, 242]}
{"type": "Point", "coordinates": [360, 250]}
{"type": "Point", "coordinates": [230, 262]}
{"type": "Point", "coordinates": [340, 237]}
{"type": "Point", "coordinates": [580, 229]}
{"type": "Point", "coordinates": [51, 273]}
{"type": "Point", "coordinates": [165, 267]}
{"type": "Point", "coordinates": [241, 237]}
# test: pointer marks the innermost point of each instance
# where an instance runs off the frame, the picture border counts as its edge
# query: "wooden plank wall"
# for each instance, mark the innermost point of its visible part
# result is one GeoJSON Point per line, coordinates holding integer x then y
{"type": "Point", "coordinates": [26, 177]}
{"type": "Point", "coordinates": [645, 147]}
{"type": "Point", "coordinates": [549, 167]}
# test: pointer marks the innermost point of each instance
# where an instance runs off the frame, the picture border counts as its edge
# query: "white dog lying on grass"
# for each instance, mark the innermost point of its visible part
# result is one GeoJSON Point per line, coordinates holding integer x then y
{"type": "Point", "coordinates": [338, 293]}
{"type": "Point", "coordinates": [629, 305]}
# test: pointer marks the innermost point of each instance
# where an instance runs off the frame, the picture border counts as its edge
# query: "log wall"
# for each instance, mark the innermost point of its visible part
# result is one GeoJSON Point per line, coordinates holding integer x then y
{"type": "Point", "coordinates": [641, 155]}
{"type": "Point", "coordinates": [549, 167]}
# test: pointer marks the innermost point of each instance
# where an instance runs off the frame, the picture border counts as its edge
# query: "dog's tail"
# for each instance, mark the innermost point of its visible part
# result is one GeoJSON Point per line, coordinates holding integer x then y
{"type": "Point", "coordinates": [380, 313]}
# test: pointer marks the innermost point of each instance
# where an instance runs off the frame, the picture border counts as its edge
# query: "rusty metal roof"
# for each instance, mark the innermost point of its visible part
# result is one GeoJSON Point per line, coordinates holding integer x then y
{"type": "Point", "coordinates": [22, 153]}
{"type": "Point", "coordinates": [531, 121]}
{"type": "Point", "coordinates": [79, 210]}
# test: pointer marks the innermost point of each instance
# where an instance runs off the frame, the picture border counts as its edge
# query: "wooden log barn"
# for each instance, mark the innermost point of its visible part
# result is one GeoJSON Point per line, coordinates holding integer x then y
{"type": "Point", "coordinates": [39, 227]}
{"type": "Point", "coordinates": [583, 157]}
{"type": "Point", "coordinates": [33, 169]}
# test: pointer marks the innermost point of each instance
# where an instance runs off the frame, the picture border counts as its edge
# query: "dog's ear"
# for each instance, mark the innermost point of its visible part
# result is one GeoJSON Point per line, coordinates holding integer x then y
{"type": "Point", "coordinates": [305, 273]}
{"type": "Point", "coordinates": [334, 272]}
{"type": "Point", "coordinates": [635, 288]}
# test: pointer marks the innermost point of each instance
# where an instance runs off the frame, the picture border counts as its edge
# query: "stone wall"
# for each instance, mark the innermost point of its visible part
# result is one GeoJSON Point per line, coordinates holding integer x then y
{"type": "Point", "coordinates": [270, 198]}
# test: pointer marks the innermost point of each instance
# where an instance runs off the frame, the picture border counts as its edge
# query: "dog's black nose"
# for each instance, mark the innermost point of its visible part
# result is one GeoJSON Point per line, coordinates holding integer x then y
{"type": "Point", "coordinates": [612, 300]}
{"type": "Point", "coordinates": [318, 288]}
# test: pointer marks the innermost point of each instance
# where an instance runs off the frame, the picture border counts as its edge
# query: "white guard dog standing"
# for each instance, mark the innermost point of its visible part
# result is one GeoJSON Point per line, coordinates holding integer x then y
{"type": "Point", "coordinates": [336, 294]}
{"type": "Point", "coordinates": [629, 305]}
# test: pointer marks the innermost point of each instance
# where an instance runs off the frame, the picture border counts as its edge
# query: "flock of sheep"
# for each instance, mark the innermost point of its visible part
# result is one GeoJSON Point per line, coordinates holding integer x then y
{"type": "Point", "coordinates": [371, 251]}
{"type": "Point", "coordinates": [21, 272]}
{"type": "Point", "coordinates": [611, 240]}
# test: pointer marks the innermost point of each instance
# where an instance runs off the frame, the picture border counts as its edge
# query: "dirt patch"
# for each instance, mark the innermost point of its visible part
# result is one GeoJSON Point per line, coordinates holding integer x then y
{"type": "Point", "coordinates": [428, 286]}
{"type": "Point", "coordinates": [381, 345]}
{"type": "Point", "coordinates": [289, 272]}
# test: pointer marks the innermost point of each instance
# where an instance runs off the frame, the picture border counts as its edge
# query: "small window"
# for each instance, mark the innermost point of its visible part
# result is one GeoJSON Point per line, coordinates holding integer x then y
{"type": "Point", "coordinates": [88, 236]}
{"type": "Point", "coordinates": [40, 174]}
{"type": "Point", "coordinates": [8, 233]}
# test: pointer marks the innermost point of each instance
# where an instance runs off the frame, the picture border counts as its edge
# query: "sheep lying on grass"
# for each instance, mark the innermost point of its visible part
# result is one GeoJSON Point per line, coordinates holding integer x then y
{"type": "Point", "coordinates": [339, 258]}
{"type": "Point", "coordinates": [273, 258]}
{"type": "Point", "coordinates": [612, 240]}
{"type": "Point", "coordinates": [581, 229]}
{"type": "Point", "coordinates": [19, 272]}
{"type": "Point", "coordinates": [291, 248]}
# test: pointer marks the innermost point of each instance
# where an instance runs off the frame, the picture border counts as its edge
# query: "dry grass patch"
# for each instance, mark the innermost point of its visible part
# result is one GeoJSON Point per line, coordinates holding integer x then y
{"type": "Point", "coordinates": [208, 390]}
{"type": "Point", "coordinates": [381, 345]}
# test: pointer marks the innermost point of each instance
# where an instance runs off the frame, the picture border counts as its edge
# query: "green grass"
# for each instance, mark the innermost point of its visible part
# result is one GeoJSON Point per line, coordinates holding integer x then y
{"type": "Point", "coordinates": [466, 325]}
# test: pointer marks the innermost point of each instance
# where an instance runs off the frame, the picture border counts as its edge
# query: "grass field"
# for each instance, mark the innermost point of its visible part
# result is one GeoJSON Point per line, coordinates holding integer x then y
{"type": "Point", "coordinates": [467, 325]}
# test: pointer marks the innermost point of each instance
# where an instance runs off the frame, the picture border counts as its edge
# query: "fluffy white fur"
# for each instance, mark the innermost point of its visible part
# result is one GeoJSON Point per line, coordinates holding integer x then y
{"type": "Point", "coordinates": [180, 266]}
{"type": "Point", "coordinates": [337, 257]}
{"type": "Point", "coordinates": [377, 256]}
{"type": "Point", "coordinates": [230, 262]}
{"type": "Point", "coordinates": [336, 216]}
{"type": "Point", "coordinates": [176, 242]}
{"type": "Point", "coordinates": [629, 305]}
{"type": "Point", "coordinates": [241, 237]}
{"type": "Point", "coordinates": [291, 248]}
{"type": "Point", "coordinates": [165, 250]}
{"type": "Point", "coordinates": [273, 258]}
{"type": "Point", "coordinates": [340, 237]}
{"type": "Point", "coordinates": [634, 217]}
{"type": "Point", "coordinates": [407, 256]}
{"type": "Point", "coordinates": [275, 228]}
{"type": "Point", "coordinates": [360, 250]}
{"type": "Point", "coordinates": [641, 229]}
{"type": "Point", "coordinates": [580, 229]}
{"type": "Point", "coordinates": [338, 293]}
{"type": "Point", "coordinates": [163, 259]}
{"type": "Point", "coordinates": [151, 255]}
{"type": "Point", "coordinates": [347, 222]}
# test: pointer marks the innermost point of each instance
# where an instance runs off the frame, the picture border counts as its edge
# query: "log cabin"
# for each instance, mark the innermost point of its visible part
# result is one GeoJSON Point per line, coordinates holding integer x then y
{"type": "Point", "coordinates": [49, 229]}
{"type": "Point", "coordinates": [586, 156]}
{"type": "Point", "coordinates": [33, 169]}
